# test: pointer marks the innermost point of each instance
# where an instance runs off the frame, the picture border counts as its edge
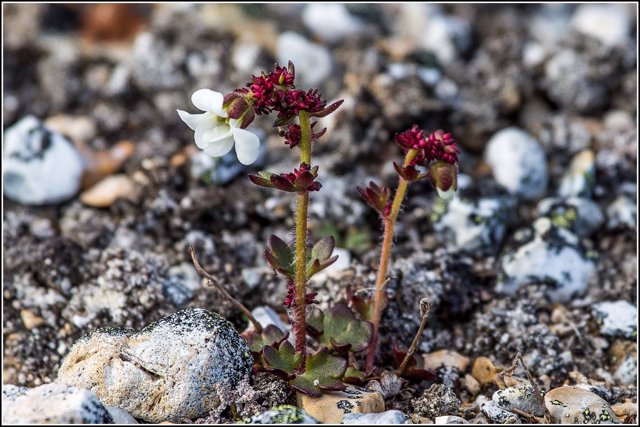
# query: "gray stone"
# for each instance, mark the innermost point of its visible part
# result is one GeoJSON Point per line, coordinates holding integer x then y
{"type": "Point", "coordinates": [450, 419]}
{"type": "Point", "coordinates": [608, 23]}
{"type": "Point", "coordinates": [437, 400]}
{"type": "Point", "coordinates": [183, 366]}
{"type": "Point", "coordinates": [495, 412]}
{"type": "Point", "coordinates": [267, 316]}
{"type": "Point", "coordinates": [40, 166]}
{"type": "Point", "coordinates": [581, 216]}
{"type": "Point", "coordinates": [518, 162]}
{"type": "Point", "coordinates": [627, 372]}
{"type": "Point", "coordinates": [52, 404]}
{"type": "Point", "coordinates": [313, 61]}
{"type": "Point", "coordinates": [330, 21]}
{"type": "Point", "coordinates": [621, 213]}
{"type": "Point", "coordinates": [617, 318]}
{"type": "Point", "coordinates": [552, 256]}
{"type": "Point", "coordinates": [446, 36]}
{"type": "Point", "coordinates": [120, 416]}
{"type": "Point", "coordinates": [283, 414]}
{"type": "Point", "coordinates": [386, 417]}
{"type": "Point", "coordinates": [182, 283]}
{"type": "Point", "coordinates": [521, 397]}
{"type": "Point", "coordinates": [574, 405]}
{"type": "Point", "coordinates": [476, 227]}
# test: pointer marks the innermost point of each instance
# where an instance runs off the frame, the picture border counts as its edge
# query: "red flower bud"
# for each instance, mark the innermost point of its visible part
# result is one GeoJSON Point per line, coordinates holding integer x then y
{"type": "Point", "coordinates": [444, 177]}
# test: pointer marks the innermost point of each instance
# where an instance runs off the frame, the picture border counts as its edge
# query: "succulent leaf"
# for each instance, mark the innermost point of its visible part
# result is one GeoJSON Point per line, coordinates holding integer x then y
{"type": "Point", "coordinates": [283, 361]}
{"type": "Point", "coordinates": [339, 329]}
{"type": "Point", "coordinates": [322, 373]}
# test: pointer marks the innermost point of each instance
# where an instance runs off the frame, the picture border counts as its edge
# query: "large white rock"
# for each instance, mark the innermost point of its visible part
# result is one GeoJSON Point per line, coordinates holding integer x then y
{"type": "Point", "coordinates": [608, 23]}
{"type": "Point", "coordinates": [183, 366]}
{"type": "Point", "coordinates": [518, 162]}
{"type": "Point", "coordinates": [40, 166]}
{"type": "Point", "coordinates": [554, 257]}
{"type": "Point", "coordinates": [313, 61]}
{"type": "Point", "coordinates": [617, 318]}
{"type": "Point", "coordinates": [52, 404]}
{"type": "Point", "coordinates": [330, 21]}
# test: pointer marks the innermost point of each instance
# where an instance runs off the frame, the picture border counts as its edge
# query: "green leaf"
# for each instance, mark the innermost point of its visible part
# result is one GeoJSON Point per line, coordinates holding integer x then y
{"type": "Point", "coordinates": [323, 248]}
{"type": "Point", "coordinates": [322, 373]}
{"type": "Point", "coordinates": [354, 376]}
{"type": "Point", "coordinates": [270, 336]}
{"type": "Point", "coordinates": [283, 360]}
{"type": "Point", "coordinates": [339, 329]}
{"type": "Point", "coordinates": [280, 256]}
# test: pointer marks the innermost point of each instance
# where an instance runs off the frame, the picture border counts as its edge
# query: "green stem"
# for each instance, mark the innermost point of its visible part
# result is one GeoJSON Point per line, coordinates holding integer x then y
{"type": "Point", "coordinates": [301, 242]}
{"type": "Point", "coordinates": [385, 255]}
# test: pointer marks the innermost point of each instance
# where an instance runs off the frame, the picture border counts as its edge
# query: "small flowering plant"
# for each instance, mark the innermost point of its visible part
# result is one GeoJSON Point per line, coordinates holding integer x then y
{"type": "Point", "coordinates": [343, 331]}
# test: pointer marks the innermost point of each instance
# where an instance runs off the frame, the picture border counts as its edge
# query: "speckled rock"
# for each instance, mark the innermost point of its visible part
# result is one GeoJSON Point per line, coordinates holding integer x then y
{"type": "Point", "coordinates": [521, 397]}
{"type": "Point", "coordinates": [386, 417]}
{"type": "Point", "coordinates": [331, 407]}
{"type": "Point", "coordinates": [476, 227]}
{"type": "Point", "coordinates": [182, 366]}
{"type": "Point", "coordinates": [548, 255]}
{"type": "Point", "coordinates": [283, 414]}
{"type": "Point", "coordinates": [580, 215]}
{"type": "Point", "coordinates": [616, 318]}
{"type": "Point", "coordinates": [495, 412]}
{"type": "Point", "coordinates": [52, 404]}
{"type": "Point", "coordinates": [40, 166]}
{"type": "Point", "coordinates": [518, 162]}
{"type": "Point", "coordinates": [574, 405]}
{"type": "Point", "coordinates": [437, 400]}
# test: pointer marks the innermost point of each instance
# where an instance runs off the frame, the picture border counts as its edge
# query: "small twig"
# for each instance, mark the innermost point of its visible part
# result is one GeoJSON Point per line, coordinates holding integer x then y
{"type": "Point", "coordinates": [547, 415]}
{"type": "Point", "coordinates": [211, 281]}
{"type": "Point", "coordinates": [527, 415]}
{"type": "Point", "coordinates": [425, 309]}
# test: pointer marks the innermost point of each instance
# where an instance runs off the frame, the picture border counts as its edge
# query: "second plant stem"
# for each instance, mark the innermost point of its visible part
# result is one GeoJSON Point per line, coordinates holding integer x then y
{"type": "Point", "coordinates": [385, 255]}
{"type": "Point", "coordinates": [301, 243]}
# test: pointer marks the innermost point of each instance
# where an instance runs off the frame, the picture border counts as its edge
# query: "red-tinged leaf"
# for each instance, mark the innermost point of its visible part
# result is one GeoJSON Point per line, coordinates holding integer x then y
{"type": "Point", "coordinates": [283, 360]}
{"type": "Point", "coordinates": [283, 121]}
{"type": "Point", "coordinates": [328, 110]}
{"type": "Point", "coordinates": [354, 376]}
{"type": "Point", "coordinates": [323, 248]}
{"type": "Point", "coordinates": [408, 173]}
{"type": "Point", "coordinates": [340, 330]}
{"type": "Point", "coordinates": [260, 181]}
{"type": "Point", "coordinates": [318, 135]}
{"type": "Point", "coordinates": [322, 373]}
{"type": "Point", "coordinates": [281, 183]}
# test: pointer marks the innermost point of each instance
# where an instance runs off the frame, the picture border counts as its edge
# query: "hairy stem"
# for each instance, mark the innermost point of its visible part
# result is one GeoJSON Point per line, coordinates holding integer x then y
{"type": "Point", "coordinates": [383, 267]}
{"type": "Point", "coordinates": [301, 242]}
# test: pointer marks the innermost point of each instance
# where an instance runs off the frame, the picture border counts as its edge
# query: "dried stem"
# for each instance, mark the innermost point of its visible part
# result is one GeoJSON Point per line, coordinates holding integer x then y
{"type": "Point", "coordinates": [211, 281]}
{"type": "Point", "coordinates": [383, 267]}
{"type": "Point", "coordinates": [425, 310]}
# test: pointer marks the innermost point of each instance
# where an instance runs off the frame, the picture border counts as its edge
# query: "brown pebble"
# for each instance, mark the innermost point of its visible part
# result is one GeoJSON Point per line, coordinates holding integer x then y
{"type": "Point", "coordinates": [30, 320]}
{"type": "Point", "coordinates": [626, 409]}
{"type": "Point", "coordinates": [472, 385]}
{"type": "Point", "coordinates": [107, 191]}
{"type": "Point", "coordinates": [484, 371]}
{"type": "Point", "coordinates": [447, 358]}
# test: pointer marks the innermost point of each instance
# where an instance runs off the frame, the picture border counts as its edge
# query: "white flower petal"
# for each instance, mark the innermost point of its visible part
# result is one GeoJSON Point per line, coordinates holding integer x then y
{"type": "Point", "coordinates": [209, 100]}
{"type": "Point", "coordinates": [220, 147]}
{"type": "Point", "coordinates": [247, 145]}
{"type": "Point", "coordinates": [209, 131]}
{"type": "Point", "coordinates": [192, 120]}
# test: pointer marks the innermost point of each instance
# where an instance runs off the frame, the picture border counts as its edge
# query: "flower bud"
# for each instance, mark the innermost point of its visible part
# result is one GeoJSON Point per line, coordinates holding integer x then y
{"type": "Point", "coordinates": [444, 177]}
{"type": "Point", "coordinates": [238, 108]}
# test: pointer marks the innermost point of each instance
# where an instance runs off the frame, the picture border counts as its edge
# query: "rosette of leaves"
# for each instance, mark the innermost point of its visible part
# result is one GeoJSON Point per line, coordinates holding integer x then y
{"type": "Point", "coordinates": [282, 256]}
{"type": "Point", "coordinates": [270, 336]}
{"type": "Point", "coordinates": [321, 371]}
{"type": "Point", "coordinates": [339, 329]}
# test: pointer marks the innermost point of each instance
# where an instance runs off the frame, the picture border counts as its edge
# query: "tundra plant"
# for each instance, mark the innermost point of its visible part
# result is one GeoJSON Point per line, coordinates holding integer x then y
{"type": "Point", "coordinates": [340, 334]}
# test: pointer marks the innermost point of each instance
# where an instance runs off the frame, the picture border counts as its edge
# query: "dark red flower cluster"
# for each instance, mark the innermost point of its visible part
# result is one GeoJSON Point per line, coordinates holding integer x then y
{"type": "Point", "coordinates": [437, 145]}
{"type": "Point", "coordinates": [310, 298]}
{"type": "Point", "coordinates": [291, 135]}
{"type": "Point", "coordinates": [302, 179]}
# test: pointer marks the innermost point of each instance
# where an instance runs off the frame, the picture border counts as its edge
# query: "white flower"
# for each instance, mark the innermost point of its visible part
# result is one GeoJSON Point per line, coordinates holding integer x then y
{"type": "Point", "coordinates": [215, 133]}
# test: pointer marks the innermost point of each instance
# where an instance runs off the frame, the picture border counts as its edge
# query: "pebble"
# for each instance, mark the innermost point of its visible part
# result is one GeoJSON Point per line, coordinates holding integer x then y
{"type": "Point", "coordinates": [476, 227]}
{"type": "Point", "coordinates": [521, 397]}
{"type": "Point", "coordinates": [267, 316]}
{"type": "Point", "coordinates": [435, 401]}
{"type": "Point", "coordinates": [386, 417]}
{"type": "Point", "coordinates": [253, 276]}
{"type": "Point", "coordinates": [580, 215]}
{"type": "Point", "coordinates": [608, 23]}
{"type": "Point", "coordinates": [80, 129]}
{"type": "Point", "coordinates": [41, 166]}
{"type": "Point", "coordinates": [553, 256]}
{"type": "Point", "coordinates": [283, 414]}
{"type": "Point", "coordinates": [574, 405]}
{"type": "Point", "coordinates": [30, 320]}
{"type": "Point", "coordinates": [52, 404]}
{"type": "Point", "coordinates": [313, 61]}
{"type": "Point", "coordinates": [450, 419]}
{"type": "Point", "coordinates": [616, 318]}
{"type": "Point", "coordinates": [180, 367]}
{"type": "Point", "coordinates": [342, 263]}
{"type": "Point", "coordinates": [105, 192]}
{"type": "Point", "coordinates": [518, 162]}
{"type": "Point", "coordinates": [446, 358]}
{"type": "Point", "coordinates": [580, 177]}
{"type": "Point", "coordinates": [484, 371]}
{"type": "Point", "coordinates": [621, 213]}
{"type": "Point", "coordinates": [331, 22]}
{"type": "Point", "coordinates": [446, 36]}
{"type": "Point", "coordinates": [120, 416]}
{"type": "Point", "coordinates": [331, 407]}
{"type": "Point", "coordinates": [182, 283]}
{"type": "Point", "coordinates": [471, 384]}
{"type": "Point", "coordinates": [495, 412]}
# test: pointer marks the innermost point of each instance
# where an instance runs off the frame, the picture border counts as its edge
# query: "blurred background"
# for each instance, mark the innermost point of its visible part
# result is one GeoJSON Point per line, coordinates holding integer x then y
{"type": "Point", "coordinates": [104, 188]}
